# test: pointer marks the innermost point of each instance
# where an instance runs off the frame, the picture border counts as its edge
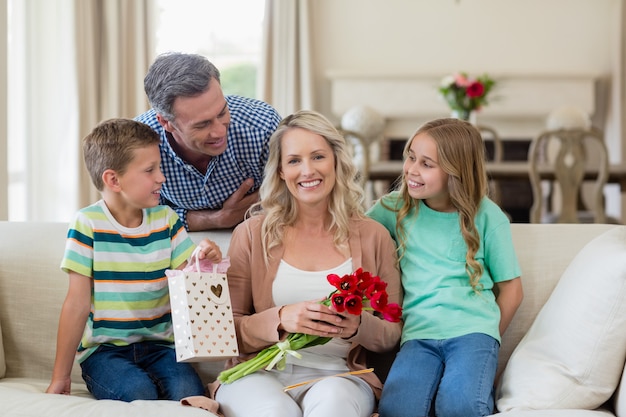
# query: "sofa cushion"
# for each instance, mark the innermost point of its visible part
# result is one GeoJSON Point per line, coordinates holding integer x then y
{"type": "Point", "coordinates": [556, 413]}
{"type": "Point", "coordinates": [620, 397]}
{"type": "Point", "coordinates": [573, 354]}
{"type": "Point", "coordinates": [25, 398]}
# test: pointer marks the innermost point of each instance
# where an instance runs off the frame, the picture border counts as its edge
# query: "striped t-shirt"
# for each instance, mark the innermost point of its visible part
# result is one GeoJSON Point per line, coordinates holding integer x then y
{"type": "Point", "coordinates": [130, 299]}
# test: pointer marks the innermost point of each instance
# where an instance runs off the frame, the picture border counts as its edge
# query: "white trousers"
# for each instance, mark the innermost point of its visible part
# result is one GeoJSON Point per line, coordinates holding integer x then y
{"type": "Point", "coordinates": [261, 395]}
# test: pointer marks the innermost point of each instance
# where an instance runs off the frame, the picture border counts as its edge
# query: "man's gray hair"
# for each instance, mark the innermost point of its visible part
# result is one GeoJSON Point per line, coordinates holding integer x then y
{"type": "Point", "coordinates": [176, 74]}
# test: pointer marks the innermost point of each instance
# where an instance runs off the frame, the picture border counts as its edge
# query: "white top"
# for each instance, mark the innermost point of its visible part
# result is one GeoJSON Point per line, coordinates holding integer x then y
{"type": "Point", "coordinates": [293, 285]}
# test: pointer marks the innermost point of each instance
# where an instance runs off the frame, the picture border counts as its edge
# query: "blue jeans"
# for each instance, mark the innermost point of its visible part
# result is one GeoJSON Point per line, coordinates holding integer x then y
{"type": "Point", "coordinates": [140, 371]}
{"type": "Point", "coordinates": [443, 378]}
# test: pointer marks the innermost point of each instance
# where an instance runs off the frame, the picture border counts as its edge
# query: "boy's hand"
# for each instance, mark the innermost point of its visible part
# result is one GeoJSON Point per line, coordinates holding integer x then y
{"type": "Point", "coordinates": [61, 386]}
{"type": "Point", "coordinates": [210, 251]}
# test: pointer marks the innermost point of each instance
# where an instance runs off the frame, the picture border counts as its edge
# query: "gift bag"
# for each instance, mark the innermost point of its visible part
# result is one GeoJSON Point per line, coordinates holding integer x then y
{"type": "Point", "coordinates": [202, 315]}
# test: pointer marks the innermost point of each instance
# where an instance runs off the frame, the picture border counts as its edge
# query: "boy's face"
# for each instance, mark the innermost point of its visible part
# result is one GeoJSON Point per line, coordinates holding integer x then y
{"type": "Point", "coordinates": [140, 185]}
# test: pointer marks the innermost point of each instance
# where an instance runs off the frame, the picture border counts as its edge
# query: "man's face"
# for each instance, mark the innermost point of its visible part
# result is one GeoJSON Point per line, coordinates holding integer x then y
{"type": "Point", "coordinates": [200, 124]}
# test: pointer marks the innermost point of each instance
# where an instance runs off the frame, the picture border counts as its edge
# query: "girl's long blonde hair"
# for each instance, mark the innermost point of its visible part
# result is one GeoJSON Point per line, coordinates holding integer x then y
{"type": "Point", "coordinates": [461, 155]}
{"type": "Point", "coordinates": [279, 205]}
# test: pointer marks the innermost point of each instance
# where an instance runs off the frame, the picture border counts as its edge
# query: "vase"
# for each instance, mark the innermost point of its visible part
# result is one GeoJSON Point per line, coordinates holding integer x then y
{"type": "Point", "coordinates": [467, 115]}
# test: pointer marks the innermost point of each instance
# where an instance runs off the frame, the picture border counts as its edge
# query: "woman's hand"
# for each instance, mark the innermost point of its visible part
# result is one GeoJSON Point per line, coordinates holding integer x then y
{"type": "Point", "coordinates": [210, 251]}
{"type": "Point", "coordinates": [311, 317]}
{"type": "Point", "coordinates": [349, 325]}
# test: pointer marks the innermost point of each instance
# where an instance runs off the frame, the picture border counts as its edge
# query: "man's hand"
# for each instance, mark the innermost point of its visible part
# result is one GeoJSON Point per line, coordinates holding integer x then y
{"type": "Point", "coordinates": [231, 213]}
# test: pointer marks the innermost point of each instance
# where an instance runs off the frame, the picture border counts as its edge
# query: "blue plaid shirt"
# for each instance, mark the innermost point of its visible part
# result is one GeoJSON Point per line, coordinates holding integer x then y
{"type": "Point", "coordinates": [252, 122]}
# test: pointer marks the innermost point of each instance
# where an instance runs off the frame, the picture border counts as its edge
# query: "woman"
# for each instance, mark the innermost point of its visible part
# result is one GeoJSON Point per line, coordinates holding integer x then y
{"type": "Point", "coordinates": [309, 223]}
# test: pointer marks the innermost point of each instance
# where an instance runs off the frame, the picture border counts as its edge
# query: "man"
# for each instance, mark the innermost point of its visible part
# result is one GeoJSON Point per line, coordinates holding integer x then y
{"type": "Point", "coordinates": [213, 147]}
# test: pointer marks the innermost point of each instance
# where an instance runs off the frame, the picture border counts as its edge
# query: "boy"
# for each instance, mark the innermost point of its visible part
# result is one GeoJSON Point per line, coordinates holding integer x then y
{"type": "Point", "coordinates": [117, 309]}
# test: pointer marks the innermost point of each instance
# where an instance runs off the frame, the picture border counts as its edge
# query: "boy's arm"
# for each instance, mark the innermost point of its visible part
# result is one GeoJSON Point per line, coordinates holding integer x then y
{"type": "Point", "coordinates": [208, 250]}
{"type": "Point", "coordinates": [74, 315]}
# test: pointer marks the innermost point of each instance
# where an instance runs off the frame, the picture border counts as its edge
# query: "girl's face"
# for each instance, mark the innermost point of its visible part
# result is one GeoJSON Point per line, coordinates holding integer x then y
{"type": "Point", "coordinates": [307, 166]}
{"type": "Point", "coordinates": [425, 179]}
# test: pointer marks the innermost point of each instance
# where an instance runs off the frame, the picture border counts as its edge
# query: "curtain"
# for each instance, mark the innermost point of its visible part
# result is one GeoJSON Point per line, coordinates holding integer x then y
{"type": "Point", "coordinates": [4, 174]}
{"type": "Point", "coordinates": [614, 93]}
{"type": "Point", "coordinates": [114, 48]}
{"type": "Point", "coordinates": [41, 118]}
{"type": "Point", "coordinates": [286, 80]}
{"type": "Point", "coordinates": [619, 77]}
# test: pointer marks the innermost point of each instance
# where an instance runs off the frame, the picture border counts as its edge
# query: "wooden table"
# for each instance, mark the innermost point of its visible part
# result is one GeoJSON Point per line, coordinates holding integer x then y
{"type": "Point", "coordinates": [514, 170]}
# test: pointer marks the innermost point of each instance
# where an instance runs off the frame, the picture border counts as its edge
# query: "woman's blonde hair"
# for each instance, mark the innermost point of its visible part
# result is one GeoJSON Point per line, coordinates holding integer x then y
{"type": "Point", "coordinates": [461, 155]}
{"type": "Point", "coordinates": [277, 202]}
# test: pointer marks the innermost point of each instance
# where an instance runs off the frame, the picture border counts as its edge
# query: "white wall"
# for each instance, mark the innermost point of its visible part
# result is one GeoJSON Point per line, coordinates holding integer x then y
{"type": "Point", "coordinates": [504, 38]}
{"type": "Point", "coordinates": [428, 36]}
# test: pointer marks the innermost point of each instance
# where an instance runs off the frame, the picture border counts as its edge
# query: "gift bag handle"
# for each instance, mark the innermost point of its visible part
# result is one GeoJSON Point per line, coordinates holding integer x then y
{"type": "Point", "coordinates": [195, 253]}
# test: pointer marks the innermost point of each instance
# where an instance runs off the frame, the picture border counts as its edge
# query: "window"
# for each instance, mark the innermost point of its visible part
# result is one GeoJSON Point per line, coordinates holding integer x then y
{"type": "Point", "coordinates": [228, 33]}
{"type": "Point", "coordinates": [42, 123]}
{"type": "Point", "coordinates": [42, 163]}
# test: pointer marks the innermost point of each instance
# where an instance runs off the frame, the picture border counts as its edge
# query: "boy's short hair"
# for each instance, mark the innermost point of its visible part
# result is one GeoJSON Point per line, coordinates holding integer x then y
{"type": "Point", "coordinates": [111, 145]}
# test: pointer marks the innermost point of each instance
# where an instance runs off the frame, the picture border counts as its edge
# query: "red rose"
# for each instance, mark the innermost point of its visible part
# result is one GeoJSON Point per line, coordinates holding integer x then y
{"type": "Point", "coordinates": [378, 300]}
{"type": "Point", "coordinates": [353, 304]}
{"type": "Point", "coordinates": [338, 301]}
{"type": "Point", "coordinates": [475, 89]}
{"type": "Point", "coordinates": [392, 313]}
{"type": "Point", "coordinates": [347, 282]}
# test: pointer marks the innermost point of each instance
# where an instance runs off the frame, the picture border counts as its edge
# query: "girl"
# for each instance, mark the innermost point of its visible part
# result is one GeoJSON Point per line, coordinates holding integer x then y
{"type": "Point", "coordinates": [454, 246]}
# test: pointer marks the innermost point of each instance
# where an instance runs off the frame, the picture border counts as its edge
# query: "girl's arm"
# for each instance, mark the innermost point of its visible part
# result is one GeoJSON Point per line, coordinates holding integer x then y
{"type": "Point", "coordinates": [510, 295]}
{"type": "Point", "coordinates": [74, 315]}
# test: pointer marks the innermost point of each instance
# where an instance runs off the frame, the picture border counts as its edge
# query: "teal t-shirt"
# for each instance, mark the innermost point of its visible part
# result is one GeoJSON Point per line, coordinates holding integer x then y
{"type": "Point", "coordinates": [439, 302]}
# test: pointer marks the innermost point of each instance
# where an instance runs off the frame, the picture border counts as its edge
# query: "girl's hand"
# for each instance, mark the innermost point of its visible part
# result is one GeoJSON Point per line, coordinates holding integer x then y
{"type": "Point", "coordinates": [210, 251]}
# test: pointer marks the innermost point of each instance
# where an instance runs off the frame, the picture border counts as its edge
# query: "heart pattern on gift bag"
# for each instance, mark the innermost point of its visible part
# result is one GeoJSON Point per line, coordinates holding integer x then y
{"type": "Point", "coordinates": [204, 328]}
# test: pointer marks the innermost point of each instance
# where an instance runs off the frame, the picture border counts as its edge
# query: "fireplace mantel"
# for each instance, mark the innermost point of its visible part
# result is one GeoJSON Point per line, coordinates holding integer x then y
{"type": "Point", "coordinates": [518, 107]}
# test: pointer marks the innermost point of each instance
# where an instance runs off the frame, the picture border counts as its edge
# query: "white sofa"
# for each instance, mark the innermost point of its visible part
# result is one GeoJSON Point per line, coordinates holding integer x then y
{"type": "Point", "coordinates": [32, 289]}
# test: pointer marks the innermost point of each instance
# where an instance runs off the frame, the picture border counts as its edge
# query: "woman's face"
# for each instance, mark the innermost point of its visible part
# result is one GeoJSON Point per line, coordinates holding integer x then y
{"type": "Point", "coordinates": [307, 166]}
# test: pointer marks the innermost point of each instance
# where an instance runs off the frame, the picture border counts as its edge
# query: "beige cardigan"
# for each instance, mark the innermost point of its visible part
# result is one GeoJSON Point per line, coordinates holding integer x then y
{"type": "Point", "coordinates": [256, 315]}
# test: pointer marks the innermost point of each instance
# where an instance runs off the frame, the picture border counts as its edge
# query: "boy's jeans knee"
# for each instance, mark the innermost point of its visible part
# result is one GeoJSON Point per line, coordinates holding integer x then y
{"type": "Point", "coordinates": [141, 371]}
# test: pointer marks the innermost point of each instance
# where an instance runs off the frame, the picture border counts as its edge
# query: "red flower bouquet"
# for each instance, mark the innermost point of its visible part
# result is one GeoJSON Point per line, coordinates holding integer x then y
{"type": "Point", "coordinates": [352, 293]}
{"type": "Point", "coordinates": [465, 94]}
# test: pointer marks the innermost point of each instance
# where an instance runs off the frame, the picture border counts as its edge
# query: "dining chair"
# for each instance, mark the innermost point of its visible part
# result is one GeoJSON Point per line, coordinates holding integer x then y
{"type": "Point", "coordinates": [369, 165]}
{"type": "Point", "coordinates": [362, 126]}
{"type": "Point", "coordinates": [489, 134]}
{"type": "Point", "coordinates": [360, 152]}
{"type": "Point", "coordinates": [566, 154]}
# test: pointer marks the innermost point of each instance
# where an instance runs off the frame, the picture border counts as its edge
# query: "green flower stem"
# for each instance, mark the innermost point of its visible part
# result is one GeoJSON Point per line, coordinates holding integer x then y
{"type": "Point", "coordinates": [275, 355]}
{"type": "Point", "coordinates": [245, 368]}
{"type": "Point", "coordinates": [264, 357]}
